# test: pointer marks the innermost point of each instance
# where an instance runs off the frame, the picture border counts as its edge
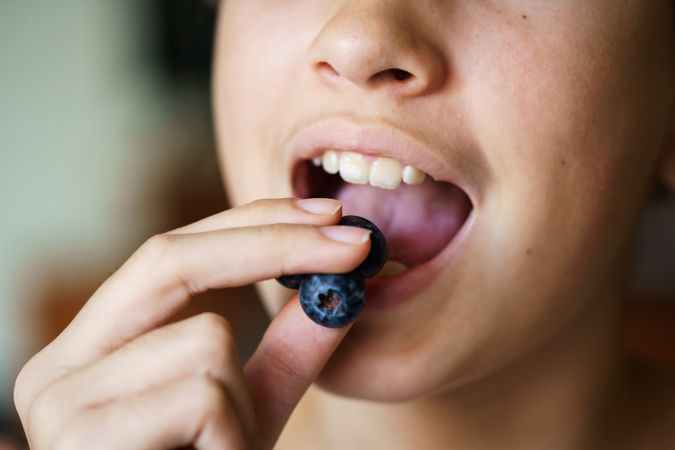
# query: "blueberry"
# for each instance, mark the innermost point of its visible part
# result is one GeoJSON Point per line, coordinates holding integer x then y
{"type": "Point", "coordinates": [291, 281]}
{"type": "Point", "coordinates": [333, 300]}
{"type": "Point", "coordinates": [378, 246]}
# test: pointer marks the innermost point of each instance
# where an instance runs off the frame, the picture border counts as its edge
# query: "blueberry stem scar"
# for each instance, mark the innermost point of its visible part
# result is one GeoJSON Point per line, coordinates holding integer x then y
{"type": "Point", "coordinates": [329, 301]}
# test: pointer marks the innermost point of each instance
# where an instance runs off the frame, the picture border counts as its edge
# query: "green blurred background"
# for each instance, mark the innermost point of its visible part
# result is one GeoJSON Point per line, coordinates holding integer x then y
{"type": "Point", "coordinates": [106, 139]}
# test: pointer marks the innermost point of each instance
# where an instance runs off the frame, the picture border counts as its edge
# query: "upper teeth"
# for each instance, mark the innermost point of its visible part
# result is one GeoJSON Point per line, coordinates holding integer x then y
{"type": "Point", "coordinates": [331, 161]}
{"type": "Point", "coordinates": [383, 172]}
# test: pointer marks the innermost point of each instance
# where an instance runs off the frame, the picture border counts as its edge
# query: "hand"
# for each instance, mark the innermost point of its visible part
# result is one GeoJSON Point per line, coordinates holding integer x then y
{"type": "Point", "coordinates": [119, 377]}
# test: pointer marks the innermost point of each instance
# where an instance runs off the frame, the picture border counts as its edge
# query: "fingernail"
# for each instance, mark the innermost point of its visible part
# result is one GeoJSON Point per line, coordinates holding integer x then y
{"type": "Point", "coordinates": [348, 235]}
{"type": "Point", "coordinates": [318, 205]}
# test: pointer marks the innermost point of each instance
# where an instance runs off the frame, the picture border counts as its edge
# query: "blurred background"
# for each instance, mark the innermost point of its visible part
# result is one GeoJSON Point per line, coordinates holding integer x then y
{"type": "Point", "coordinates": [106, 138]}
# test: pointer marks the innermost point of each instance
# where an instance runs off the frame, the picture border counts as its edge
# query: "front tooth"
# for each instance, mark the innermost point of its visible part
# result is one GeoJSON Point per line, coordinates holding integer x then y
{"type": "Point", "coordinates": [353, 168]}
{"type": "Point", "coordinates": [412, 175]}
{"type": "Point", "coordinates": [385, 173]}
{"type": "Point", "coordinates": [331, 161]}
{"type": "Point", "coordinates": [316, 161]}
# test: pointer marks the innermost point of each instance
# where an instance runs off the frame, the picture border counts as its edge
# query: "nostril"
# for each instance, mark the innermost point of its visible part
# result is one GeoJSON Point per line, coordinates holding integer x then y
{"type": "Point", "coordinates": [396, 74]}
{"type": "Point", "coordinates": [326, 69]}
{"type": "Point", "coordinates": [400, 74]}
{"type": "Point", "coordinates": [383, 77]}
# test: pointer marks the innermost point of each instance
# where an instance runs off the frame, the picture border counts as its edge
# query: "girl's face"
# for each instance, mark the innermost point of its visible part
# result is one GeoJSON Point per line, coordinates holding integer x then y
{"type": "Point", "coordinates": [550, 116]}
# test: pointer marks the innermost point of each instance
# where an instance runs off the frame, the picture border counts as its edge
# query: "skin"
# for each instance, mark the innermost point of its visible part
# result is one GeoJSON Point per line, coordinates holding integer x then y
{"type": "Point", "coordinates": [561, 115]}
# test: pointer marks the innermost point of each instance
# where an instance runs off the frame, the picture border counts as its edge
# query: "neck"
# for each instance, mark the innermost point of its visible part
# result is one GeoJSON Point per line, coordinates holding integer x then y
{"type": "Point", "coordinates": [552, 398]}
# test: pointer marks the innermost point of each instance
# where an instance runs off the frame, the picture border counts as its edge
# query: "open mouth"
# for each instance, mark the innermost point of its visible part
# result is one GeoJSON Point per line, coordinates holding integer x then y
{"type": "Point", "coordinates": [418, 215]}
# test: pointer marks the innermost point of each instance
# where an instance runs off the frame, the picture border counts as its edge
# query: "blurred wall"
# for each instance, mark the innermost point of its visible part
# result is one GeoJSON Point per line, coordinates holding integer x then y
{"type": "Point", "coordinates": [85, 126]}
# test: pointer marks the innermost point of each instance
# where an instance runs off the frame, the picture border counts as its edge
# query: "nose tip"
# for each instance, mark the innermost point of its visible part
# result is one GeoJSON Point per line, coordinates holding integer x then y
{"type": "Point", "coordinates": [374, 49]}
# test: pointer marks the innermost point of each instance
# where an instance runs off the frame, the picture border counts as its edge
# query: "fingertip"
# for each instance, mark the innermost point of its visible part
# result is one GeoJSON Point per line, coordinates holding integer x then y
{"type": "Point", "coordinates": [320, 206]}
{"type": "Point", "coordinates": [346, 234]}
{"type": "Point", "coordinates": [331, 249]}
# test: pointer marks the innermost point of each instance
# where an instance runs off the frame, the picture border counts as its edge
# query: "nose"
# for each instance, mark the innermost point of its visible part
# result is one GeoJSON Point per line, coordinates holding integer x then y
{"type": "Point", "coordinates": [378, 45]}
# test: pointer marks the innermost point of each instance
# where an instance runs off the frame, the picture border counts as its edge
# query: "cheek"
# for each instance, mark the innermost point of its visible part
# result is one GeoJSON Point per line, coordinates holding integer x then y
{"type": "Point", "coordinates": [571, 126]}
{"type": "Point", "coordinates": [568, 120]}
{"type": "Point", "coordinates": [255, 61]}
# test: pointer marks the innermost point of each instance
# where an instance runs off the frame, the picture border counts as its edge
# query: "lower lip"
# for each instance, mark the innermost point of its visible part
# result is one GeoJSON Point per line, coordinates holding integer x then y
{"type": "Point", "coordinates": [391, 291]}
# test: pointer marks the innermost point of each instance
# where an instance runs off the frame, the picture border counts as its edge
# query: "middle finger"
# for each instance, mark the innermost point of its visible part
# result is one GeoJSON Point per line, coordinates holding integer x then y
{"type": "Point", "coordinates": [199, 345]}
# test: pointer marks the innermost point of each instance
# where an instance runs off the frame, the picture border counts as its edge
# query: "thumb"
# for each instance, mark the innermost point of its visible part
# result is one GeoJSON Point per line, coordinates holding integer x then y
{"type": "Point", "coordinates": [289, 358]}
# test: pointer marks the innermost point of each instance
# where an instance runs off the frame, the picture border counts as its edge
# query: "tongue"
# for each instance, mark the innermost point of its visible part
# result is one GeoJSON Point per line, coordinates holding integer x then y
{"type": "Point", "coordinates": [418, 221]}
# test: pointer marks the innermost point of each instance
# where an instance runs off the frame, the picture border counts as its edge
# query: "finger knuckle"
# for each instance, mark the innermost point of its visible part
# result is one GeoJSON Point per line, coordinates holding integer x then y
{"type": "Point", "coordinates": [216, 339]}
{"type": "Point", "coordinates": [215, 327]}
{"type": "Point", "coordinates": [209, 397]}
{"type": "Point", "coordinates": [45, 409]}
{"type": "Point", "coordinates": [157, 247]}
{"type": "Point", "coordinates": [156, 255]}
{"type": "Point", "coordinates": [23, 388]}
{"type": "Point", "coordinates": [31, 379]}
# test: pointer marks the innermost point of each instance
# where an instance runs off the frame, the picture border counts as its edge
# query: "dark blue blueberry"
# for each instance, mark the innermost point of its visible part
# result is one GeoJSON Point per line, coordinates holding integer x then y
{"type": "Point", "coordinates": [333, 300]}
{"type": "Point", "coordinates": [378, 246]}
{"type": "Point", "coordinates": [291, 281]}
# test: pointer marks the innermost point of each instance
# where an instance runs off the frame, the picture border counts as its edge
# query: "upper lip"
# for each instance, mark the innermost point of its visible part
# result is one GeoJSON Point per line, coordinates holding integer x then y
{"type": "Point", "coordinates": [376, 138]}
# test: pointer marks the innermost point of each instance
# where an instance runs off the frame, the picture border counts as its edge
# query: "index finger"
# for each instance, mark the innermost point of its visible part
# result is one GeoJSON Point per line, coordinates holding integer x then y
{"type": "Point", "coordinates": [315, 211]}
{"type": "Point", "coordinates": [162, 277]}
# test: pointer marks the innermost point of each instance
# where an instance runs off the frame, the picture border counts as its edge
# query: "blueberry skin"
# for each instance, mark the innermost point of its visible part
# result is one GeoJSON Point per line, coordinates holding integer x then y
{"type": "Point", "coordinates": [378, 246]}
{"type": "Point", "coordinates": [291, 281]}
{"type": "Point", "coordinates": [332, 300]}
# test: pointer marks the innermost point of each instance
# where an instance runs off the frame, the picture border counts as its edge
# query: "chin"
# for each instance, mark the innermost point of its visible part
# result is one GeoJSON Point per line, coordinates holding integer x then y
{"type": "Point", "coordinates": [365, 375]}
{"type": "Point", "coordinates": [379, 362]}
